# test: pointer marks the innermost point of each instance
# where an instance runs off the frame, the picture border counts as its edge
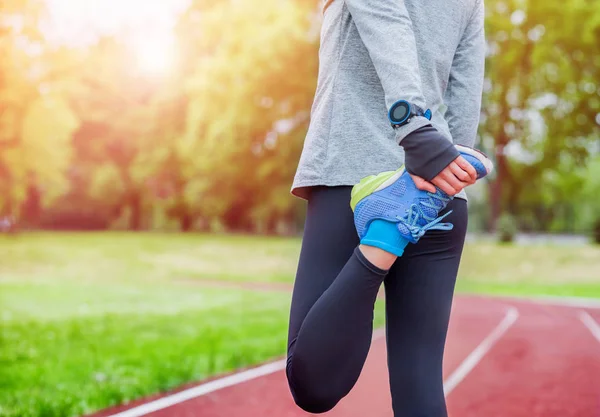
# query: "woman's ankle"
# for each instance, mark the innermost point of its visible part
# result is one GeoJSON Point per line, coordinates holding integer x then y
{"type": "Point", "coordinates": [378, 257]}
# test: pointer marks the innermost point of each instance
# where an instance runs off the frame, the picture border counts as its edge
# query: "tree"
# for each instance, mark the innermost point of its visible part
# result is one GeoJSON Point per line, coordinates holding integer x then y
{"type": "Point", "coordinates": [541, 101]}
{"type": "Point", "coordinates": [249, 90]}
{"type": "Point", "coordinates": [35, 121]}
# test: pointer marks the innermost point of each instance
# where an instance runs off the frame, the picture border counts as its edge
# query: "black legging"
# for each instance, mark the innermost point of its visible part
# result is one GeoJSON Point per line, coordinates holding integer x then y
{"type": "Point", "coordinates": [331, 319]}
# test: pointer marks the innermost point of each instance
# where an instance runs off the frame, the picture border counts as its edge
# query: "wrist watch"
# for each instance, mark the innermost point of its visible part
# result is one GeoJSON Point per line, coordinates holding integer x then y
{"type": "Point", "coordinates": [402, 112]}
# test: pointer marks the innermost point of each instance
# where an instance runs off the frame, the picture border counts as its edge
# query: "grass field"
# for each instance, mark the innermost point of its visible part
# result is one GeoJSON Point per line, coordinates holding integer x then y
{"type": "Point", "coordinates": [92, 320]}
{"type": "Point", "coordinates": [530, 270]}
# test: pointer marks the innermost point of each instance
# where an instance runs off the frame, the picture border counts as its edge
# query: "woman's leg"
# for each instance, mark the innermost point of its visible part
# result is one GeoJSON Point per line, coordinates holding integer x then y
{"type": "Point", "coordinates": [331, 320]}
{"type": "Point", "coordinates": [419, 290]}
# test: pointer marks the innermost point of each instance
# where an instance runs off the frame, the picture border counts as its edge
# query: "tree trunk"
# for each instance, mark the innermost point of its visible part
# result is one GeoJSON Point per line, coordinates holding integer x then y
{"type": "Point", "coordinates": [31, 208]}
{"type": "Point", "coordinates": [496, 186]}
{"type": "Point", "coordinates": [186, 222]}
{"type": "Point", "coordinates": [502, 172]}
{"type": "Point", "coordinates": [135, 218]}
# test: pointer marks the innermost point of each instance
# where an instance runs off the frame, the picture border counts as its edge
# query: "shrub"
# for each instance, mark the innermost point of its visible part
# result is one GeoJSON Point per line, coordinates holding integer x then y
{"type": "Point", "coordinates": [596, 231]}
{"type": "Point", "coordinates": [506, 228]}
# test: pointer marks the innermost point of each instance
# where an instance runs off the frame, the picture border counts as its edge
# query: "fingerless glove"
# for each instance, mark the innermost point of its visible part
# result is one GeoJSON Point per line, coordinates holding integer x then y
{"type": "Point", "coordinates": [427, 152]}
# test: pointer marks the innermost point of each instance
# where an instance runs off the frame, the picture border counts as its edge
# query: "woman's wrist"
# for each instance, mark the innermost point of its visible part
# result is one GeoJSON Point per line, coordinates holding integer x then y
{"type": "Point", "coordinates": [427, 152]}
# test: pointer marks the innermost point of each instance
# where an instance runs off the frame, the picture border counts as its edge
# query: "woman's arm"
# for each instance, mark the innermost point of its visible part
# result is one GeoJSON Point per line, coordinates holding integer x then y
{"type": "Point", "coordinates": [463, 95]}
{"type": "Point", "coordinates": [386, 30]}
{"type": "Point", "coordinates": [385, 27]}
{"type": "Point", "coordinates": [463, 98]}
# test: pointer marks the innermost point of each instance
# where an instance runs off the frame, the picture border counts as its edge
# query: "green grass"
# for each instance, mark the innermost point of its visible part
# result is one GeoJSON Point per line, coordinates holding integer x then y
{"type": "Point", "coordinates": [530, 270]}
{"type": "Point", "coordinates": [151, 256]}
{"type": "Point", "coordinates": [88, 321]}
{"type": "Point", "coordinates": [156, 257]}
{"type": "Point", "coordinates": [131, 341]}
{"type": "Point", "coordinates": [525, 289]}
{"type": "Point", "coordinates": [91, 320]}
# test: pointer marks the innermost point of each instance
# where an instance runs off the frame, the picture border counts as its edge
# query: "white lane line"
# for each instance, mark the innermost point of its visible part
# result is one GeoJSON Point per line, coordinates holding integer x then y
{"type": "Point", "coordinates": [591, 324]}
{"type": "Point", "coordinates": [202, 389]}
{"type": "Point", "coordinates": [215, 385]}
{"type": "Point", "coordinates": [480, 351]}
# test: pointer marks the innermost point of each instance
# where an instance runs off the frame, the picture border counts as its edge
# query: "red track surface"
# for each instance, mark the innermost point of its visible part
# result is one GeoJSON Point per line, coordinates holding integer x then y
{"type": "Point", "coordinates": [546, 364]}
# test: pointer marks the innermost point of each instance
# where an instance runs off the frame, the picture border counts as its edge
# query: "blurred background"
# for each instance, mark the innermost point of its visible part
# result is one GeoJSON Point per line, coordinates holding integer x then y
{"type": "Point", "coordinates": [147, 149]}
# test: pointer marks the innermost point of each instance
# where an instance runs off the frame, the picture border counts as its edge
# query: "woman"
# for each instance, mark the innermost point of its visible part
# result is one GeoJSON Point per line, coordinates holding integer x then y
{"type": "Point", "coordinates": [419, 67]}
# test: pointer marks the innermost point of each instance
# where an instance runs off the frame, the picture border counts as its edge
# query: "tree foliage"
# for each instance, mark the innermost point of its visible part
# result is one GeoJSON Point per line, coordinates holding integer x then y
{"type": "Point", "coordinates": [89, 141]}
{"type": "Point", "coordinates": [541, 105]}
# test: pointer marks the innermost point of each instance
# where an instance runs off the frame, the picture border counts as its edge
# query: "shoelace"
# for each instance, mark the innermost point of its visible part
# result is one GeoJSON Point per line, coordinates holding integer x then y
{"type": "Point", "coordinates": [415, 212]}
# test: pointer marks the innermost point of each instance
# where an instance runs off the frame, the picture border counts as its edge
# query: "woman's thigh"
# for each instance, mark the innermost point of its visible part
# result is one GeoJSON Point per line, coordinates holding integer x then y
{"type": "Point", "coordinates": [419, 291]}
{"type": "Point", "coordinates": [328, 242]}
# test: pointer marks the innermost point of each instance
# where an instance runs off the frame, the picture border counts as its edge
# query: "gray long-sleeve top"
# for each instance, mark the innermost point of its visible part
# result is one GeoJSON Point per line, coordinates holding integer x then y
{"type": "Point", "coordinates": [374, 53]}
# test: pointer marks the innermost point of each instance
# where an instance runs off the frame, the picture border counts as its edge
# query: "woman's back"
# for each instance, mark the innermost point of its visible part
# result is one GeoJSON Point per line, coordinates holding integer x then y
{"type": "Point", "coordinates": [362, 42]}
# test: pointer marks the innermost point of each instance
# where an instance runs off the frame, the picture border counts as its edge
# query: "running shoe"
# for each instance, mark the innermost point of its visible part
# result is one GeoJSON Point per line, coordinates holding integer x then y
{"type": "Point", "coordinates": [390, 211]}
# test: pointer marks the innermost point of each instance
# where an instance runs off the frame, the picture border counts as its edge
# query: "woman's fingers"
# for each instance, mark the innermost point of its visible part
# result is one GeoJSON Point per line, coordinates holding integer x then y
{"type": "Point", "coordinates": [462, 163]}
{"type": "Point", "coordinates": [422, 184]}
{"type": "Point", "coordinates": [443, 185]}
{"type": "Point", "coordinates": [451, 179]}
{"type": "Point", "coordinates": [460, 173]}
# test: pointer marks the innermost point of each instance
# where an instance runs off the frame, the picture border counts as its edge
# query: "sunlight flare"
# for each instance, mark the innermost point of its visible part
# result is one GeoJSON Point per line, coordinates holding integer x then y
{"type": "Point", "coordinates": [147, 27]}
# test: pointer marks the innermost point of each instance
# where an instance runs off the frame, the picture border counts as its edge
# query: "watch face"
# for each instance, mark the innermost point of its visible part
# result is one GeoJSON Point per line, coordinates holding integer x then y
{"type": "Point", "coordinates": [400, 112]}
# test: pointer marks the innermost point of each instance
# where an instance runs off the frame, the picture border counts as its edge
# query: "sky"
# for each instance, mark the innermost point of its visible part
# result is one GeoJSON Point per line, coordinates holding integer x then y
{"type": "Point", "coordinates": [145, 25]}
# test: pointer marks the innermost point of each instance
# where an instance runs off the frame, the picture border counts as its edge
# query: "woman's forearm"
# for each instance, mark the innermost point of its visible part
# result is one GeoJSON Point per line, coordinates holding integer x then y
{"type": "Point", "coordinates": [385, 27]}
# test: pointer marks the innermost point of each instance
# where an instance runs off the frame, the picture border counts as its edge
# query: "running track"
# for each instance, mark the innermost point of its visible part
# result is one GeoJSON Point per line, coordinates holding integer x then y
{"type": "Point", "coordinates": [504, 358]}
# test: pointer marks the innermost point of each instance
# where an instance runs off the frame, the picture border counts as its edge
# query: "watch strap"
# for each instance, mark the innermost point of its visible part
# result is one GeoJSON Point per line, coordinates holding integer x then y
{"type": "Point", "coordinates": [420, 112]}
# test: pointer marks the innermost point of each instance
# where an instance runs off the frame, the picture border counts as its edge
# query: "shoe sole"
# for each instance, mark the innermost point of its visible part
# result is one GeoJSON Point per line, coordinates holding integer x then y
{"type": "Point", "coordinates": [373, 183]}
{"type": "Point", "coordinates": [487, 162]}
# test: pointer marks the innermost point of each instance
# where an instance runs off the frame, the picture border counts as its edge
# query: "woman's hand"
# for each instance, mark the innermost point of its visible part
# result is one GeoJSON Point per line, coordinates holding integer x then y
{"type": "Point", "coordinates": [451, 179]}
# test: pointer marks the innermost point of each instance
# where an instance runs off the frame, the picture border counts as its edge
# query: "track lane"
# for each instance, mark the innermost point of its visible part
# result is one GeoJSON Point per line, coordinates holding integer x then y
{"type": "Point", "coordinates": [472, 319]}
{"type": "Point", "coordinates": [546, 365]}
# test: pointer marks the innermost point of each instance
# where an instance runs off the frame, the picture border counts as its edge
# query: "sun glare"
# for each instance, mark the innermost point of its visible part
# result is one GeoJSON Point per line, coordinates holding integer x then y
{"type": "Point", "coordinates": [146, 26]}
{"type": "Point", "coordinates": [155, 57]}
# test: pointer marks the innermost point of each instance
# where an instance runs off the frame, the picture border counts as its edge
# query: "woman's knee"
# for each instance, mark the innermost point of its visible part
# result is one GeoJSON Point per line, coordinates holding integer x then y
{"type": "Point", "coordinates": [314, 401]}
{"type": "Point", "coordinates": [312, 396]}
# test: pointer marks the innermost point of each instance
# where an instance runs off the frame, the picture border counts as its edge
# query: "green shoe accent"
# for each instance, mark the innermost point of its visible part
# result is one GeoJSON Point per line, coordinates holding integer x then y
{"type": "Point", "coordinates": [368, 185]}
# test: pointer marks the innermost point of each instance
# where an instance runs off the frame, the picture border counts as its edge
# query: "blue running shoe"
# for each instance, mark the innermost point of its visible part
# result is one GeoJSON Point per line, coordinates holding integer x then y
{"type": "Point", "coordinates": [390, 211]}
{"type": "Point", "coordinates": [482, 164]}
